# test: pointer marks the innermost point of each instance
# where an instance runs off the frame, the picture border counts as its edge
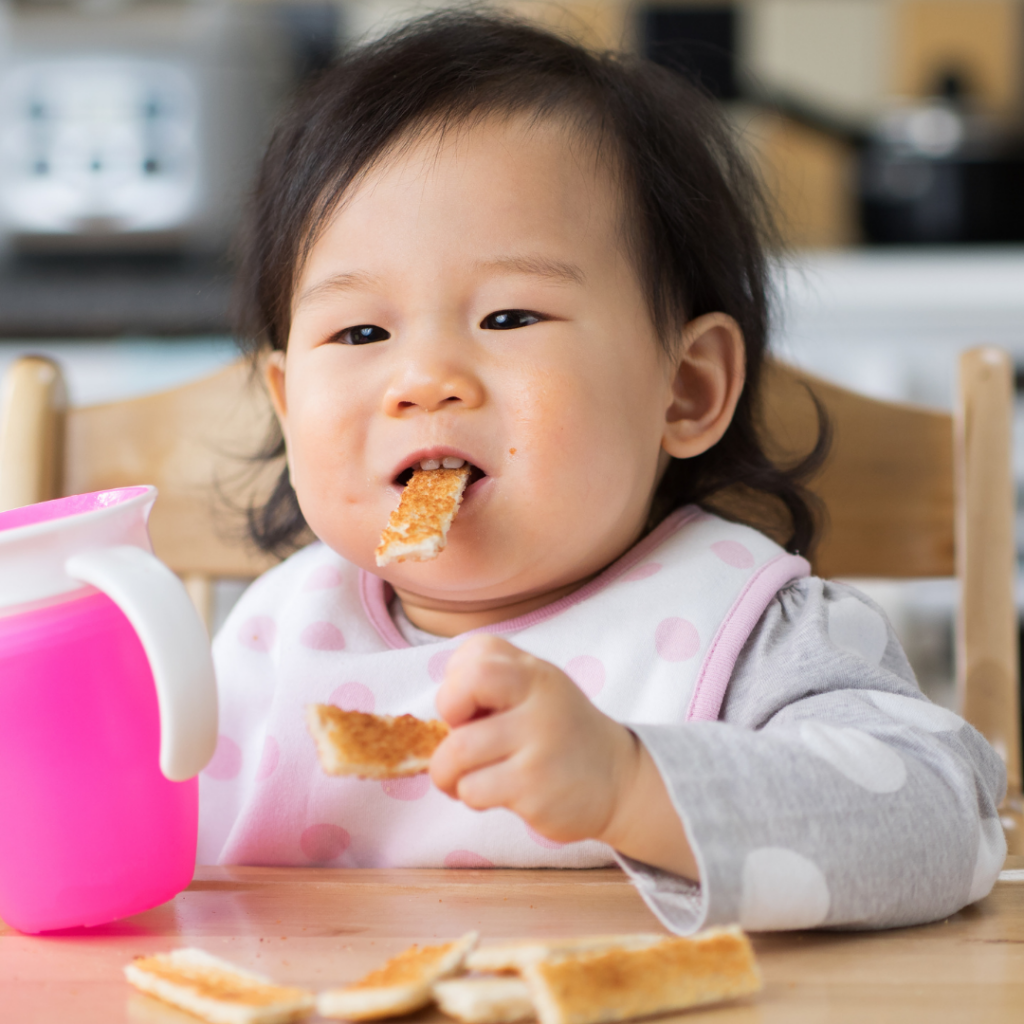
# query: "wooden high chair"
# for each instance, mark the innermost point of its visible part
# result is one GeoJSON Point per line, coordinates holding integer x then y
{"type": "Point", "coordinates": [909, 492]}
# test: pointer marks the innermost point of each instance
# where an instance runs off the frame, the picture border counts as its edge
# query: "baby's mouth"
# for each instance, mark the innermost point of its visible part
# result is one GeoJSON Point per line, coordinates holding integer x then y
{"type": "Point", "coordinates": [446, 462]}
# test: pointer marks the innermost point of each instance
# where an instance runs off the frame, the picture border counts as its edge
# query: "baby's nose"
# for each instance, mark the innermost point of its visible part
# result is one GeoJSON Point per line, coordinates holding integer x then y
{"type": "Point", "coordinates": [428, 388]}
{"type": "Point", "coordinates": [434, 370]}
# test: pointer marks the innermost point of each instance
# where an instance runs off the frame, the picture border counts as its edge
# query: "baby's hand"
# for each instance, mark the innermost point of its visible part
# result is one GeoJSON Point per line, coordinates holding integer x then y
{"type": "Point", "coordinates": [526, 738]}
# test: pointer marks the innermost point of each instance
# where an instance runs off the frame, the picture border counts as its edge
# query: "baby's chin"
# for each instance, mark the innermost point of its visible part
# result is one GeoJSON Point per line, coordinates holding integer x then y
{"type": "Point", "coordinates": [451, 578]}
{"type": "Point", "coordinates": [463, 581]}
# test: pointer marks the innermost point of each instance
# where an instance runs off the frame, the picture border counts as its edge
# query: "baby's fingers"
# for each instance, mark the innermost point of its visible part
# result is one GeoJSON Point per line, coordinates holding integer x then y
{"type": "Point", "coordinates": [494, 785]}
{"type": "Point", "coordinates": [485, 674]}
{"type": "Point", "coordinates": [470, 748]}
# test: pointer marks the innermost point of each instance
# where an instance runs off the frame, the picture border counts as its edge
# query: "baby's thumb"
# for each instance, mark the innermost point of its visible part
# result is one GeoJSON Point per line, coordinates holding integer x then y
{"type": "Point", "coordinates": [484, 675]}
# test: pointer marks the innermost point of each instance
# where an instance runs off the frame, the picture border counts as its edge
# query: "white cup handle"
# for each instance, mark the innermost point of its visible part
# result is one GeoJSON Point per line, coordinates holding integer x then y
{"type": "Point", "coordinates": [158, 607]}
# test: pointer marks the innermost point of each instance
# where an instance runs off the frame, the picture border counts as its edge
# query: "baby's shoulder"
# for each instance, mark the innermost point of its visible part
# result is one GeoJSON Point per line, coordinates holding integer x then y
{"type": "Point", "coordinates": [824, 628]}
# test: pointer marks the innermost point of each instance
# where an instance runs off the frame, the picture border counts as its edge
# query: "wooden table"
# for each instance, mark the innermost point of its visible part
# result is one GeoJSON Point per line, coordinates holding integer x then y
{"type": "Point", "coordinates": [320, 926]}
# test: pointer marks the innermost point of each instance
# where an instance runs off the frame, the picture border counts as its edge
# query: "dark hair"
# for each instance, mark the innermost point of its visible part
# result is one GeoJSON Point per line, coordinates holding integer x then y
{"type": "Point", "coordinates": [700, 221]}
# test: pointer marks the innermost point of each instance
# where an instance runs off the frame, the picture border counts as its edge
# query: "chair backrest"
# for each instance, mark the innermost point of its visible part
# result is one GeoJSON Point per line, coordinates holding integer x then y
{"type": "Point", "coordinates": [908, 492]}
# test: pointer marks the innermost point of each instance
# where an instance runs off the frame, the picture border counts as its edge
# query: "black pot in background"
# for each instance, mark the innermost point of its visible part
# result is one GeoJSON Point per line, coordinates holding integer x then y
{"type": "Point", "coordinates": [936, 172]}
{"type": "Point", "coordinates": [933, 172]}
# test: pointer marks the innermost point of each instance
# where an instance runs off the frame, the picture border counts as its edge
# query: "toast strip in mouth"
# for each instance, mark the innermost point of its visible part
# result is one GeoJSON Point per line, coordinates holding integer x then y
{"type": "Point", "coordinates": [493, 1000]}
{"type": "Point", "coordinates": [372, 746]}
{"type": "Point", "coordinates": [216, 990]}
{"type": "Point", "coordinates": [418, 529]}
{"type": "Point", "coordinates": [404, 984]}
{"type": "Point", "coordinates": [618, 984]}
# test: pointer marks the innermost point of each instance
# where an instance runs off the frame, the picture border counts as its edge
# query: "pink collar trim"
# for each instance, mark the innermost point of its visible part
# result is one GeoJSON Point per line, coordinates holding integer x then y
{"type": "Point", "coordinates": [720, 660]}
{"type": "Point", "coordinates": [375, 593]}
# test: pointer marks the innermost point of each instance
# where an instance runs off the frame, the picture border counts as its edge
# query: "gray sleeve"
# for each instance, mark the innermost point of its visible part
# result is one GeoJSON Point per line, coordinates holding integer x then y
{"type": "Point", "coordinates": [831, 792]}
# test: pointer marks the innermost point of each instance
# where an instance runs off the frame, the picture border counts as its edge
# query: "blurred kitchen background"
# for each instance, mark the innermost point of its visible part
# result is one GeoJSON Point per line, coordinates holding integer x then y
{"type": "Point", "coordinates": [891, 133]}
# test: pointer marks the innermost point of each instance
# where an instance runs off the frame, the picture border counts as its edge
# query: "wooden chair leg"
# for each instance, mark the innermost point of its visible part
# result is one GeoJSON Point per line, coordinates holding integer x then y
{"type": "Point", "coordinates": [32, 407]}
{"type": "Point", "coordinates": [987, 640]}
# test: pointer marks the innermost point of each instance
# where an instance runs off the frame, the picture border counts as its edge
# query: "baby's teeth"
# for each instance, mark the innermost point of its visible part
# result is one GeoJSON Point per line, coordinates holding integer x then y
{"type": "Point", "coordinates": [453, 463]}
{"type": "Point", "coordinates": [430, 464]}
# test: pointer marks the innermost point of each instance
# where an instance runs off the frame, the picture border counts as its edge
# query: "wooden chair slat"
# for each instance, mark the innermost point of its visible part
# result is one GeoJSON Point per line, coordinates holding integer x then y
{"type": "Point", "coordinates": [887, 487]}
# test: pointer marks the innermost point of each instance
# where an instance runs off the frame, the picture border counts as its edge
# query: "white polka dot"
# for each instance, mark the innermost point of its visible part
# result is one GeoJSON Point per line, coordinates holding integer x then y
{"type": "Point", "coordinates": [991, 854]}
{"type": "Point", "coordinates": [854, 627]}
{"type": "Point", "coordinates": [781, 891]}
{"type": "Point", "coordinates": [858, 755]}
{"type": "Point", "coordinates": [920, 713]}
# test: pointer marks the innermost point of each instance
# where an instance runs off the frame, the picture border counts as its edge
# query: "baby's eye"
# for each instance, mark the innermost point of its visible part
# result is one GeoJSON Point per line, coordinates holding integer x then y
{"type": "Point", "coordinates": [361, 335]}
{"type": "Point", "coordinates": [509, 320]}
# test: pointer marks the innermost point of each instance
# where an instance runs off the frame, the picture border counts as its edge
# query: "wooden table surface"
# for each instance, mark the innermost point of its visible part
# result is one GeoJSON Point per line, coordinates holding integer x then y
{"type": "Point", "coordinates": [317, 927]}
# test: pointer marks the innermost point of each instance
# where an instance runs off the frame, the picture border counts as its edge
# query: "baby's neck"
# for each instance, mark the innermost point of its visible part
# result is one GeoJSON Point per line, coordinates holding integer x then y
{"type": "Point", "coordinates": [452, 617]}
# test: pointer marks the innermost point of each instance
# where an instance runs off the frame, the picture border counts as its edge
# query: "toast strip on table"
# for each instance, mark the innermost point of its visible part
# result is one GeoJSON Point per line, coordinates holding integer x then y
{"type": "Point", "coordinates": [372, 746]}
{"type": "Point", "coordinates": [616, 985]}
{"type": "Point", "coordinates": [501, 1000]}
{"type": "Point", "coordinates": [514, 956]}
{"type": "Point", "coordinates": [404, 984]}
{"type": "Point", "coordinates": [216, 990]}
{"type": "Point", "coordinates": [418, 529]}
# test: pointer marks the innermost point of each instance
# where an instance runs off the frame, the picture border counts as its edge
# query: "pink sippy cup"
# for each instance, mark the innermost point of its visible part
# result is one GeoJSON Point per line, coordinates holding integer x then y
{"type": "Point", "coordinates": [108, 711]}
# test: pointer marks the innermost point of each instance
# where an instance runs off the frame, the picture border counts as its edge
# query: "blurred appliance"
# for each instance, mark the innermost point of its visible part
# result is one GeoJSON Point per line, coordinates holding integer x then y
{"type": "Point", "coordinates": [937, 171]}
{"type": "Point", "coordinates": [932, 171]}
{"type": "Point", "coordinates": [134, 126]}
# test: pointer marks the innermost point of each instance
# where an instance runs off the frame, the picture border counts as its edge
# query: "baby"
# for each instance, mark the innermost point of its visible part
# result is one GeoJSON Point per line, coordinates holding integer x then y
{"type": "Point", "coordinates": [475, 243]}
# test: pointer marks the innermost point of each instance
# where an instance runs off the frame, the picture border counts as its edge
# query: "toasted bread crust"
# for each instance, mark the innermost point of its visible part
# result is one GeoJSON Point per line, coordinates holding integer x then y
{"type": "Point", "coordinates": [404, 984]}
{"type": "Point", "coordinates": [215, 989]}
{"type": "Point", "coordinates": [514, 956]}
{"type": "Point", "coordinates": [616, 985]}
{"type": "Point", "coordinates": [418, 529]}
{"type": "Point", "coordinates": [408, 968]}
{"type": "Point", "coordinates": [372, 746]}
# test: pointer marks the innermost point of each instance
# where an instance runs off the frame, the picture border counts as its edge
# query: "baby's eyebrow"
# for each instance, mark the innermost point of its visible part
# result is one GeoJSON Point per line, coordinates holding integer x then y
{"type": "Point", "coordinates": [336, 283]}
{"type": "Point", "coordinates": [538, 266]}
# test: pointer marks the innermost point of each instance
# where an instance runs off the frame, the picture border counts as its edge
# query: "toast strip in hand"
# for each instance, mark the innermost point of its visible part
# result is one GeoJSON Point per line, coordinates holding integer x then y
{"type": "Point", "coordinates": [616, 985]}
{"type": "Point", "coordinates": [502, 1000]}
{"type": "Point", "coordinates": [216, 990]}
{"type": "Point", "coordinates": [404, 984]}
{"type": "Point", "coordinates": [514, 956]}
{"type": "Point", "coordinates": [372, 746]}
{"type": "Point", "coordinates": [418, 529]}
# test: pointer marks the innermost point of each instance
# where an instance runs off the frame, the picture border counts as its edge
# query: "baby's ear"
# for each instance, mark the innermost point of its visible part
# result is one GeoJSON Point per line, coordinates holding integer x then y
{"type": "Point", "coordinates": [273, 376]}
{"type": "Point", "coordinates": [709, 368]}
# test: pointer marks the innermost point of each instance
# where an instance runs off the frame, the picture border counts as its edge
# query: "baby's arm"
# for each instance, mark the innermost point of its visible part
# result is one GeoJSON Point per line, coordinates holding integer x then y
{"type": "Point", "coordinates": [529, 740]}
{"type": "Point", "coordinates": [831, 792]}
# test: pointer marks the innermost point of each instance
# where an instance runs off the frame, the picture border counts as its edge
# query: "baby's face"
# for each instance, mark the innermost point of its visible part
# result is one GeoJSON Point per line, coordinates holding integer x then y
{"type": "Point", "coordinates": [474, 299]}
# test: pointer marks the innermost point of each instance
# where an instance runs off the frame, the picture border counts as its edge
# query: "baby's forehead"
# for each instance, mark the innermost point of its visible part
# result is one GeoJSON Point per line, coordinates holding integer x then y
{"type": "Point", "coordinates": [582, 149]}
{"type": "Point", "coordinates": [518, 163]}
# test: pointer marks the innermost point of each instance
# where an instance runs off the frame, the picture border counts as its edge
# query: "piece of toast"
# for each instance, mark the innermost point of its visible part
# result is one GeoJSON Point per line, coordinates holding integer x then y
{"type": "Point", "coordinates": [418, 529]}
{"type": "Point", "coordinates": [514, 956]}
{"type": "Point", "coordinates": [485, 1000]}
{"type": "Point", "coordinates": [372, 746]}
{"type": "Point", "coordinates": [618, 984]}
{"type": "Point", "coordinates": [404, 984]}
{"type": "Point", "coordinates": [216, 990]}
